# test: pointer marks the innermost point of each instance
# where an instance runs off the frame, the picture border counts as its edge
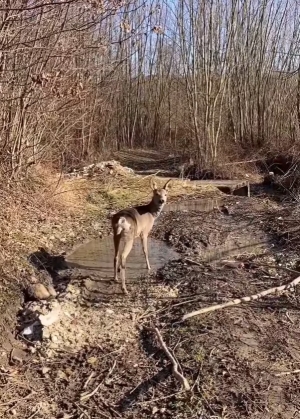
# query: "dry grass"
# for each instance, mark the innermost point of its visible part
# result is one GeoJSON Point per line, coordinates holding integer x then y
{"type": "Point", "coordinates": [137, 190]}
{"type": "Point", "coordinates": [120, 191]}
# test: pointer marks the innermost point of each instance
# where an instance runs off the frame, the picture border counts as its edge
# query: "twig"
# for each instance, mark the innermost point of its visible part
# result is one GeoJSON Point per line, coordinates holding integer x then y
{"type": "Point", "coordinates": [151, 174]}
{"type": "Point", "coordinates": [242, 300]}
{"type": "Point", "coordinates": [83, 412]}
{"type": "Point", "coordinates": [192, 262]}
{"type": "Point", "coordinates": [89, 379]}
{"type": "Point", "coordinates": [287, 373]}
{"type": "Point", "coordinates": [159, 398]}
{"type": "Point", "coordinates": [87, 396]}
{"type": "Point", "coordinates": [240, 162]}
{"type": "Point", "coordinates": [33, 414]}
{"type": "Point", "coordinates": [175, 371]}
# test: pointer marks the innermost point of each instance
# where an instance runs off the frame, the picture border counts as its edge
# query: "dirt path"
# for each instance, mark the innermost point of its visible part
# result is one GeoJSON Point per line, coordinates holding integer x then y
{"type": "Point", "coordinates": [98, 359]}
{"type": "Point", "coordinates": [150, 162]}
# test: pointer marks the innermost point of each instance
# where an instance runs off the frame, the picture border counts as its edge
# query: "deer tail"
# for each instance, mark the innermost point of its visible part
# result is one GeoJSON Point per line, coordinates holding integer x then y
{"type": "Point", "coordinates": [122, 225]}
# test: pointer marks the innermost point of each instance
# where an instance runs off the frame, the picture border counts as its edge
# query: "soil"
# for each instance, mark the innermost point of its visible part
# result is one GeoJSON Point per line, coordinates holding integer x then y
{"type": "Point", "coordinates": [101, 360]}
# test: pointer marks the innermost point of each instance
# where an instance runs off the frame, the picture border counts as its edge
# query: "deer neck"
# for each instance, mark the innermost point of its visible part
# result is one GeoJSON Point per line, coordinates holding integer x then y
{"type": "Point", "coordinates": [155, 210]}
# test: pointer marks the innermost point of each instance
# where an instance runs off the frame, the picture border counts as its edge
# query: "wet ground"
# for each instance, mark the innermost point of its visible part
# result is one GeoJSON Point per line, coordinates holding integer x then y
{"type": "Point", "coordinates": [94, 260]}
{"type": "Point", "coordinates": [101, 360]}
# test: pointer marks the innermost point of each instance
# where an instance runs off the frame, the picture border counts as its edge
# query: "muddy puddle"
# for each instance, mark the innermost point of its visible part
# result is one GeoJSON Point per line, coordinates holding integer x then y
{"type": "Point", "coordinates": [95, 261]}
{"type": "Point", "coordinates": [201, 205]}
{"type": "Point", "coordinates": [235, 247]}
{"type": "Point", "coordinates": [226, 238]}
{"type": "Point", "coordinates": [200, 233]}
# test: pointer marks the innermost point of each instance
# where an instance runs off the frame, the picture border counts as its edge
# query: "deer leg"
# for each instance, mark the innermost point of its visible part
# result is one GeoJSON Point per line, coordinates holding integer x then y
{"type": "Point", "coordinates": [117, 239]}
{"type": "Point", "coordinates": [144, 239]}
{"type": "Point", "coordinates": [125, 253]}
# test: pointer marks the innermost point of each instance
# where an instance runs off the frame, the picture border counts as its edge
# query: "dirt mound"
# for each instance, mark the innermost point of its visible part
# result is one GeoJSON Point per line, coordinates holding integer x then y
{"type": "Point", "coordinates": [111, 167]}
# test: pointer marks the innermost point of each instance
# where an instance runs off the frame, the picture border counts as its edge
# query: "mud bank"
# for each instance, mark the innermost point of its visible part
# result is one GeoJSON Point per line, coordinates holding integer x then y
{"type": "Point", "coordinates": [98, 359]}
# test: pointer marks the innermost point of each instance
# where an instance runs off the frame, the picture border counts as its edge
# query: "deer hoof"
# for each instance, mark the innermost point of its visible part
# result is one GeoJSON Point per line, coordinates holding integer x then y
{"type": "Point", "coordinates": [116, 279]}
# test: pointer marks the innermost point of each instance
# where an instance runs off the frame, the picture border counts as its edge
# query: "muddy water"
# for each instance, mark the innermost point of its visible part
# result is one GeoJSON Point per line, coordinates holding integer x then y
{"type": "Point", "coordinates": [95, 260]}
{"type": "Point", "coordinates": [202, 205]}
{"type": "Point", "coordinates": [232, 247]}
{"type": "Point", "coordinates": [239, 236]}
{"type": "Point", "coordinates": [229, 238]}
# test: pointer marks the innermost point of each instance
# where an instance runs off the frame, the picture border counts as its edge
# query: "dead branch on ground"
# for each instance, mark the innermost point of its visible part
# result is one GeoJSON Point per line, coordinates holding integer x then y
{"type": "Point", "coordinates": [86, 396]}
{"type": "Point", "coordinates": [280, 374]}
{"type": "Point", "coordinates": [175, 371]}
{"type": "Point", "coordinates": [243, 299]}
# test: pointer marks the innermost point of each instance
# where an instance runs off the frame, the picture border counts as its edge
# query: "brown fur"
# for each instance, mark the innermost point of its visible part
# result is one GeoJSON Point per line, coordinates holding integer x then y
{"type": "Point", "coordinates": [136, 222]}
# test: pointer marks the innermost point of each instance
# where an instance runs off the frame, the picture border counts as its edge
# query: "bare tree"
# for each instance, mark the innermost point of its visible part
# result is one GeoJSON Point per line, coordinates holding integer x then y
{"type": "Point", "coordinates": [80, 78]}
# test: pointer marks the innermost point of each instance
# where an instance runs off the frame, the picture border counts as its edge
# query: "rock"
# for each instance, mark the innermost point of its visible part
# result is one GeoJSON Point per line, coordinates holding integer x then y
{"type": "Point", "coordinates": [46, 334]}
{"type": "Point", "coordinates": [40, 292]}
{"type": "Point", "coordinates": [92, 360]}
{"type": "Point", "coordinates": [154, 410]}
{"type": "Point", "coordinates": [18, 355]}
{"type": "Point", "coordinates": [109, 311]}
{"type": "Point", "coordinates": [51, 317]}
{"type": "Point", "coordinates": [45, 370]}
{"type": "Point", "coordinates": [61, 375]}
{"type": "Point", "coordinates": [54, 338]}
{"type": "Point", "coordinates": [51, 290]}
{"type": "Point", "coordinates": [28, 330]}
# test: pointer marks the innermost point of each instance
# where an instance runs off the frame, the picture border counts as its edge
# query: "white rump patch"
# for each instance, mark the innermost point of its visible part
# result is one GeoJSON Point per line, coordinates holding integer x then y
{"type": "Point", "coordinates": [123, 224]}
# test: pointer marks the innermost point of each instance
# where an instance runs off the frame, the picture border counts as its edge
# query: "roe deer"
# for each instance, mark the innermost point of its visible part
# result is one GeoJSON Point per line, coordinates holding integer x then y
{"type": "Point", "coordinates": [133, 222]}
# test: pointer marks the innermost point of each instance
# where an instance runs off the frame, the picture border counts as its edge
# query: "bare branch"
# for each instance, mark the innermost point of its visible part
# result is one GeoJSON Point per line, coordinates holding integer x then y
{"type": "Point", "coordinates": [238, 301]}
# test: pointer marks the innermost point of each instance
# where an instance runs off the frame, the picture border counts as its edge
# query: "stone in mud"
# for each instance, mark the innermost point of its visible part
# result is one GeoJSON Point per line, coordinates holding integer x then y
{"type": "Point", "coordinates": [39, 291]}
{"type": "Point", "coordinates": [18, 355]}
{"type": "Point", "coordinates": [46, 334]}
{"type": "Point", "coordinates": [45, 370]}
{"type": "Point", "coordinates": [54, 338]}
{"type": "Point", "coordinates": [51, 317]}
{"type": "Point", "coordinates": [51, 290]}
{"type": "Point", "coordinates": [28, 330]}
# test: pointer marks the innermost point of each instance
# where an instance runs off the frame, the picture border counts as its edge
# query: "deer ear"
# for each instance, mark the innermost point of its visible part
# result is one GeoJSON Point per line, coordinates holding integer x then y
{"type": "Point", "coordinates": [167, 185]}
{"type": "Point", "coordinates": [153, 184]}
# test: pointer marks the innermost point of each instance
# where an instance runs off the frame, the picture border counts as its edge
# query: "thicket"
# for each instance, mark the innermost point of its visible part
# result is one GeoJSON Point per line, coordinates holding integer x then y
{"type": "Point", "coordinates": [215, 79]}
